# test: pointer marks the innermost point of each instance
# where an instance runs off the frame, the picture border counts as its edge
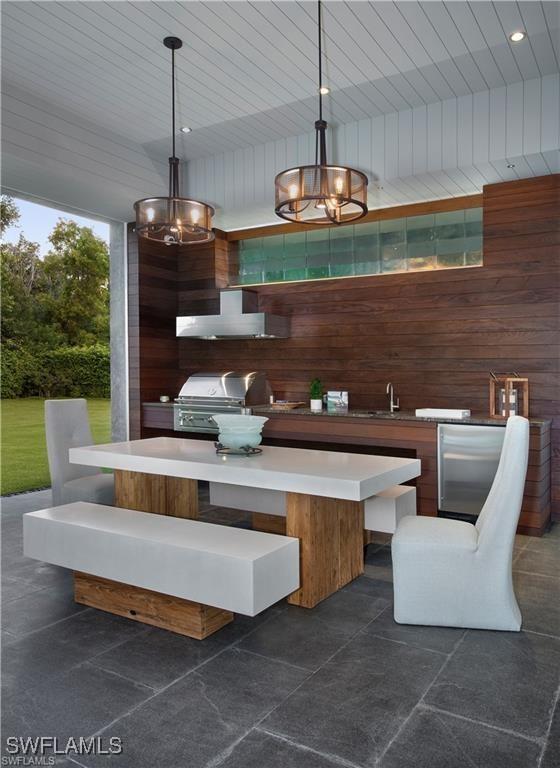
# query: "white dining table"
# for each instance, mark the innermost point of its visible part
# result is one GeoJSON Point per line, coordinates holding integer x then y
{"type": "Point", "coordinates": [324, 490]}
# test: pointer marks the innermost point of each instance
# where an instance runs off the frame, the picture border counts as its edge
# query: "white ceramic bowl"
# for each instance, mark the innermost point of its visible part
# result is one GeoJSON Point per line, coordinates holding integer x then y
{"type": "Point", "coordinates": [239, 431]}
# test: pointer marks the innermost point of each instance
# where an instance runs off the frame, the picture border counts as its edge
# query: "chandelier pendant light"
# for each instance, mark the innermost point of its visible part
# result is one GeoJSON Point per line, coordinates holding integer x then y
{"type": "Point", "coordinates": [174, 220]}
{"type": "Point", "coordinates": [321, 193]}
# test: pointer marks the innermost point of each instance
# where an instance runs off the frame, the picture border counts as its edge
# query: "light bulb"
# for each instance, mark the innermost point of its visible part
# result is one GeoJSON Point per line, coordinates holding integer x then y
{"type": "Point", "coordinates": [320, 204]}
{"type": "Point", "coordinates": [150, 213]}
{"type": "Point", "coordinates": [195, 215]}
{"type": "Point", "coordinates": [338, 185]}
{"type": "Point", "coordinates": [323, 90]}
{"type": "Point", "coordinates": [517, 37]}
{"type": "Point", "coordinates": [293, 191]}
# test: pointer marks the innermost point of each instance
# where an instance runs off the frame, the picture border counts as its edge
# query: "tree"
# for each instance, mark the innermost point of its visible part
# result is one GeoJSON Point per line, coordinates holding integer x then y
{"type": "Point", "coordinates": [21, 274]}
{"type": "Point", "coordinates": [75, 295]}
{"type": "Point", "coordinates": [9, 213]}
{"type": "Point", "coordinates": [53, 310]}
{"type": "Point", "coordinates": [20, 270]}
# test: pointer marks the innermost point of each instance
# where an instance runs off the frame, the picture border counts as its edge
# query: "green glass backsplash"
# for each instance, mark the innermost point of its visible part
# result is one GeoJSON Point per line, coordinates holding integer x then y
{"type": "Point", "coordinates": [434, 241]}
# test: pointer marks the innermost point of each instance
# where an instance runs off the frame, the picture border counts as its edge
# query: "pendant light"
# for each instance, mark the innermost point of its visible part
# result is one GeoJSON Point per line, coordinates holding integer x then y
{"type": "Point", "coordinates": [174, 220]}
{"type": "Point", "coordinates": [321, 193]}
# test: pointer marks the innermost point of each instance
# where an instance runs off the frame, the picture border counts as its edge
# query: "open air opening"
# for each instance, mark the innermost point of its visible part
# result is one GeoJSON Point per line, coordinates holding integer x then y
{"type": "Point", "coordinates": [55, 330]}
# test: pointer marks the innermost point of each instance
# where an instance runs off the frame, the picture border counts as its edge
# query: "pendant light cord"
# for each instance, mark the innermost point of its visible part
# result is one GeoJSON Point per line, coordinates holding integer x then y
{"type": "Point", "coordinates": [320, 59]}
{"type": "Point", "coordinates": [173, 99]}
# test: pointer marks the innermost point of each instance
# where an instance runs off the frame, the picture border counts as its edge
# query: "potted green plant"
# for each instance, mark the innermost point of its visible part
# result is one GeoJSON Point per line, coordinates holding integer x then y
{"type": "Point", "coordinates": [316, 395]}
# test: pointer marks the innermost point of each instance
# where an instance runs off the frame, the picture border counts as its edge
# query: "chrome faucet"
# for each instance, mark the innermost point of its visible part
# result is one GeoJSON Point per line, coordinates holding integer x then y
{"type": "Point", "coordinates": [394, 406]}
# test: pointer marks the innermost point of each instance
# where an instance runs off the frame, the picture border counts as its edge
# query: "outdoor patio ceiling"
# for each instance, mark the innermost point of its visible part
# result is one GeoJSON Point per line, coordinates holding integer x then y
{"type": "Point", "coordinates": [413, 87]}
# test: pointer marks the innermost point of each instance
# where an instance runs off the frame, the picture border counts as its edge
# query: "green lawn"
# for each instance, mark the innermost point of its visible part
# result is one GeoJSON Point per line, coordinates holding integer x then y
{"type": "Point", "coordinates": [24, 452]}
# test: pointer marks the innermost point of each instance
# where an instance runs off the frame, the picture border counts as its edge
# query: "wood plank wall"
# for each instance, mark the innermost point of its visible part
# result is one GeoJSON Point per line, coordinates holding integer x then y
{"type": "Point", "coordinates": [152, 309]}
{"type": "Point", "coordinates": [435, 335]}
{"type": "Point", "coordinates": [158, 276]}
{"type": "Point", "coordinates": [522, 238]}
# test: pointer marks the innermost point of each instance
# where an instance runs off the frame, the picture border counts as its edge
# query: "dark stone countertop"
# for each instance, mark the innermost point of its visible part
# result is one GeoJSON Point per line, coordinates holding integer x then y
{"type": "Point", "coordinates": [355, 413]}
{"type": "Point", "coordinates": [396, 416]}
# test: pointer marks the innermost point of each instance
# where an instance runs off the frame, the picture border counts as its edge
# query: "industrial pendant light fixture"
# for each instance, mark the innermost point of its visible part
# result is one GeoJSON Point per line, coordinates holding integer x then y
{"type": "Point", "coordinates": [174, 220]}
{"type": "Point", "coordinates": [321, 193]}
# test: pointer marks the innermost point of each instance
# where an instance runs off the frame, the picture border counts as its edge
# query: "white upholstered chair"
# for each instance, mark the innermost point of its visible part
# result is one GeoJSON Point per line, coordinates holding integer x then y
{"type": "Point", "coordinates": [454, 574]}
{"type": "Point", "coordinates": [67, 426]}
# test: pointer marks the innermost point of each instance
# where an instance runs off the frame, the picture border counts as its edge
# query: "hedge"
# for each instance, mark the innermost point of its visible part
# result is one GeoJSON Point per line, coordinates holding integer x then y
{"type": "Point", "coordinates": [62, 372]}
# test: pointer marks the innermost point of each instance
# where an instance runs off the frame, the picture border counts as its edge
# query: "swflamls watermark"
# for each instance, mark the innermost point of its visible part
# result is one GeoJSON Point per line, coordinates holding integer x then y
{"type": "Point", "coordinates": [43, 750]}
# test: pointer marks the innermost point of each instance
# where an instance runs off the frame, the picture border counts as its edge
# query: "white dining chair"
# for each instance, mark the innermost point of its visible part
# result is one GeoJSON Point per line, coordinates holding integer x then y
{"type": "Point", "coordinates": [67, 426]}
{"type": "Point", "coordinates": [454, 574]}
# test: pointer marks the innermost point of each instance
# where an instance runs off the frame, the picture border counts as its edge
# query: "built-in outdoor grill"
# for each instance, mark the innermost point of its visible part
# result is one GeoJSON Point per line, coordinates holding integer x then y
{"type": "Point", "coordinates": [204, 394]}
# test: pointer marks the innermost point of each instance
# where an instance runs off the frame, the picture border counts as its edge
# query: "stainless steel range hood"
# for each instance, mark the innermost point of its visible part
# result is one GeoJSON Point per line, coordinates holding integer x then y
{"type": "Point", "coordinates": [239, 318]}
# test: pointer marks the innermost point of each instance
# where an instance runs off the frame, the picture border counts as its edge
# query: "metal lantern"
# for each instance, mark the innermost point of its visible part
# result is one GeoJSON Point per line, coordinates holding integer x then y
{"type": "Point", "coordinates": [321, 193]}
{"type": "Point", "coordinates": [174, 220]}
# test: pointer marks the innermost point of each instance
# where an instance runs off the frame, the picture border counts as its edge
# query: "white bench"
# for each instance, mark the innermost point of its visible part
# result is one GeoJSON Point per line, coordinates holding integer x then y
{"type": "Point", "coordinates": [382, 512]}
{"type": "Point", "coordinates": [227, 568]}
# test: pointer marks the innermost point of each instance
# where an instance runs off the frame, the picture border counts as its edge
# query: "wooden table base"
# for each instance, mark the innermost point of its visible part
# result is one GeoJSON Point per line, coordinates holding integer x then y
{"type": "Point", "coordinates": [161, 495]}
{"type": "Point", "coordinates": [331, 553]}
{"type": "Point", "coordinates": [269, 523]}
{"type": "Point", "coordinates": [331, 544]}
{"type": "Point", "coordinates": [165, 611]}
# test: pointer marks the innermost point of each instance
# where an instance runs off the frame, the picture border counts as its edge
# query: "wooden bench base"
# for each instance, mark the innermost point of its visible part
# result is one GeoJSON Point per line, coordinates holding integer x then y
{"type": "Point", "coordinates": [165, 611]}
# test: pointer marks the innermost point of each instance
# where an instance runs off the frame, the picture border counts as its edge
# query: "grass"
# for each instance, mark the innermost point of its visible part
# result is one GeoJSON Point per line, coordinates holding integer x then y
{"type": "Point", "coordinates": [24, 451]}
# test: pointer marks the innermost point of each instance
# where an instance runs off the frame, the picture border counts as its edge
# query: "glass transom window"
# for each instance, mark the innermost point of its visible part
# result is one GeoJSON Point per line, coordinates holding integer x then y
{"type": "Point", "coordinates": [417, 243]}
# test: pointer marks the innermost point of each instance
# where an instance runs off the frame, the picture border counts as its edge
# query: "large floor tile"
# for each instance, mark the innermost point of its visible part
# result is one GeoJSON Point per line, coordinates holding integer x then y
{"type": "Point", "coordinates": [436, 740]}
{"type": "Point", "coordinates": [308, 638]}
{"type": "Point", "coordinates": [25, 502]}
{"type": "Point", "coordinates": [156, 657]}
{"type": "Point", "coordinates": [37, 610]}
{"type": "Point", "coordinates": [12, 589]}
{"type": "Point", "coordinates": [203, 714]}
{"type": "Point", "coordinates": [504, 679]}
{"type": "Point", "coordinates": [244, 687]}
{"type": "Point", "coordinates": [539, 601]}
{"type": "Point", "coordinates": [544, 560]}
{"type": "Point", "coordinates": [378, 556]}
{"type": "Point", "coordinates": [76, 703]}
{"type": "Point", "coordinates": [551, 756]}
{"type": "Point", "coordinates": [41, 574]}
{"type": "Point", "coordinates": [353, 706]}
{"type": "Point", "coordinates": [552, 535]}
{"type": "Point", "coordinates": [442, 639]}
{"type": "Point", "coordinates": [354, 606]}
{"type": "Point", "coordinates": [297, 637]}
{"type": "Point", "coordinates": [93, 632]}
{"type": "Point", "coordinates": [29, 660]}
{"type": "Point", "coordinates": [261, 750]}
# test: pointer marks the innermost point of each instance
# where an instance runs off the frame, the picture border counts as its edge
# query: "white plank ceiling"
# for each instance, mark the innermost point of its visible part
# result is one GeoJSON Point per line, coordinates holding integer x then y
{"type": "Point", "coordinates": [430, 98]}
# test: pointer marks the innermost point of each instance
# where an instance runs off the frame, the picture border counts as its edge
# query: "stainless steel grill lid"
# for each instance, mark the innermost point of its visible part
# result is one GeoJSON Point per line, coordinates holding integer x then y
{"type": "Point", "coordinates": [250, 388]}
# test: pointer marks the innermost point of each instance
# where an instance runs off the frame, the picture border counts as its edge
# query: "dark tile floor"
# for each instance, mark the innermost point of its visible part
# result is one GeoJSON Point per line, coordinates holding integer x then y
{"type": "Point", "coordinates": [342, 685]}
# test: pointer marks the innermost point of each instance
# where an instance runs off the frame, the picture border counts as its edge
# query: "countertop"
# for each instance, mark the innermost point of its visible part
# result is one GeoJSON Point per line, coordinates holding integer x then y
{"type": "Point", "coordinates": [396, 416]}
{"type": "Point", "coordinates": [355, 413]}
{"type": "Point", "coordinates": [298, 470]}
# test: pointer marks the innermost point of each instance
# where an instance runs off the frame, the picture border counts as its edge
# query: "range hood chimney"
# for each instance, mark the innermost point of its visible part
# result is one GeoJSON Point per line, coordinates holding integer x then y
{"type": "Point", "coordinates": [239, 318]}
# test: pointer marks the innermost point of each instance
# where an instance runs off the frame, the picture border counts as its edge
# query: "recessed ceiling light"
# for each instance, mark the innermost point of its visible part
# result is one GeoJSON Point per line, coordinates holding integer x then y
{"type": "Point", "coordinates": [323, 90]}
{"type": "Point", "coordinates": [186, 129]}
{"type": "Point", "coordinates": [517, 37]}
{"type": "Point", "coordinates": [511, 165]}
